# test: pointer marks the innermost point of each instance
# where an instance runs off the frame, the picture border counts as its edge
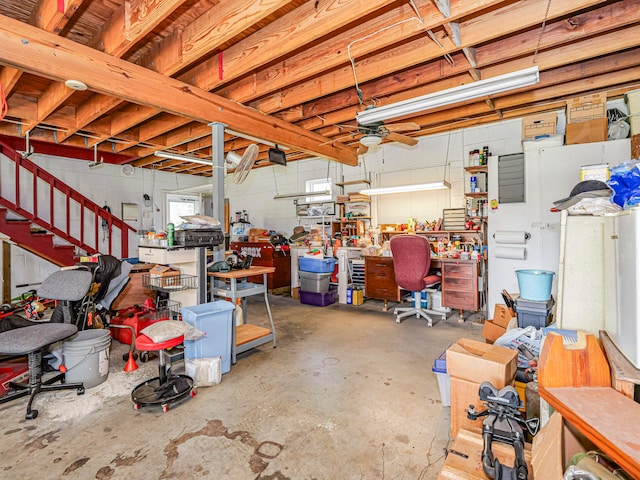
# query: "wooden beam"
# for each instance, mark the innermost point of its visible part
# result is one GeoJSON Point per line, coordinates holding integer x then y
{"type": "Point", "coordinates": [48, 15]}
{"type": "Point", "coordinates": [6, 271]}
{"type": "Point", "coordinates": [110, 76]}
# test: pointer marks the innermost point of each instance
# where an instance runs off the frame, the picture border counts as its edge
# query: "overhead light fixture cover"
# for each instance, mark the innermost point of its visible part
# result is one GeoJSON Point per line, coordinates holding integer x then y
{"type": "Point", "coordinates": [371, 140]}
{"type": "Point", "coordinates": [406, 188]}
{"type": "Point", "coordinates": [76, 85]}
{"type": "Point", "coordinates": [184, 158]}
{"type": "Point", "coordinates": [469, 91]}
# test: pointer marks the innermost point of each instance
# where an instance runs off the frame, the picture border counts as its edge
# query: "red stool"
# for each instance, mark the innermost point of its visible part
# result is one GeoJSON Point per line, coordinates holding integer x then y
{"type": "Point", "coordinates": [166, 388]}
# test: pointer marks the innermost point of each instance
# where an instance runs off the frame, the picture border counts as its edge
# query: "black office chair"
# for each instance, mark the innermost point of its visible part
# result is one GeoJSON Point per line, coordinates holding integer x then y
{"type": "Point", "coordinates": [411, 264]}
{"type": "Point", "coordinates": [65, 286]}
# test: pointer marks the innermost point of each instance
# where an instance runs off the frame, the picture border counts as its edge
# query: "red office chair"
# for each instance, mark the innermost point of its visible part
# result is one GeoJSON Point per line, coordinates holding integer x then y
{"type": "Point", "coordinates": [411, 263]}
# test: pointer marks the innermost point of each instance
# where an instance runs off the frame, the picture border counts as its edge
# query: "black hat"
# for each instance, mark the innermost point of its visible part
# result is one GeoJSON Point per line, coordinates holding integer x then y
{"type": "Point", "coordinates": [584, 189]}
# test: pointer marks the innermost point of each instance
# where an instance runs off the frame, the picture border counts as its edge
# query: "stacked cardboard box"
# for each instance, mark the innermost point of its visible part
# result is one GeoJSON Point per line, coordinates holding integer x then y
{"type": "Point", "coordinates": [495, 328]}
{"type": "Point", "coordinates": [469, 363]}
{"type": "Point", "coordinates": [587, 119]}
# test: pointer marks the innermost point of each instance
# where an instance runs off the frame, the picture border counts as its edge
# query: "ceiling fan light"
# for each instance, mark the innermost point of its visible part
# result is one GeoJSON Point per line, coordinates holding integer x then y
{"type": "Point", "coordinates": [371, 140]}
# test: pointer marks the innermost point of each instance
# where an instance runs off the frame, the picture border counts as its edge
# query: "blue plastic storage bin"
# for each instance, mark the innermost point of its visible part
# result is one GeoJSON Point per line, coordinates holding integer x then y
{"type": "Point", "coordinates": [317, 265]}
{"type": "Point", "coordinates": [444, 381]}
{"type": "Point", "coordinates": [215, 319]}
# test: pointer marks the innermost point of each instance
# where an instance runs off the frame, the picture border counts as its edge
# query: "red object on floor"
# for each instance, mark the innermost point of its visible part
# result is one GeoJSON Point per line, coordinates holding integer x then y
{"type": "Point", "coordinates": [12, 371]}
{"type": "Point", "coordinates": [131, 317]}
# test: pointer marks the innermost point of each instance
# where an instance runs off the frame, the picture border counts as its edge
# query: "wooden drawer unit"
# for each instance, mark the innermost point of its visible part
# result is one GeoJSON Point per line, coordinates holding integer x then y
{"type": "Point", "coordinates": [460, 285]}
{"type": "Point", "coordinates": [380, 282]}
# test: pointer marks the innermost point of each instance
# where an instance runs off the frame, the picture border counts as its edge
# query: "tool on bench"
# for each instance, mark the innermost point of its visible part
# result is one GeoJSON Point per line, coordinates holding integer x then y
{"type": "Point", "coordinates": [503, 423]}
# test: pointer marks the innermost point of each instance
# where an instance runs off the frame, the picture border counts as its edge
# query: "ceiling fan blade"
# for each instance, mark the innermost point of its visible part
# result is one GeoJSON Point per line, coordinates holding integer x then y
{"type": "Point", "coordinates": [402, 127]}
{"type": "Point", "coordinates": [396, 137]}
{"type": "Point", "coordinates": [339, 139]}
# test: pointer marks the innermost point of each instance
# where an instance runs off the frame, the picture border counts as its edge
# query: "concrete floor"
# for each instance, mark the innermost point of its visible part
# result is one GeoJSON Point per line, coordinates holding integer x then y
{"type": "Point", "coordinates": [347, 394]}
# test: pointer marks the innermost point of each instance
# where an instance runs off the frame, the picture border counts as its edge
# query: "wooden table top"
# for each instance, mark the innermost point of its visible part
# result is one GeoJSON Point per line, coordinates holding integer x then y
{"type": "Point", "coordinates": [254, 270]}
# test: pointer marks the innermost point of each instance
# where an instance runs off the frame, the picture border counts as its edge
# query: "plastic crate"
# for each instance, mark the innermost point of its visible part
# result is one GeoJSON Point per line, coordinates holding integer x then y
{"type": "Point", "coordinates": [534, 318]}
{"type": "Point", "coordinates": [533, 305]}
{"type": "Point", "coordinates": [318, 299]}
{"type": "Point", "coordinates": [314, 282]}
{"type": "Point", "coordinates": [317, 265]}
{"type": "Point", "coordinates": [216, 320]}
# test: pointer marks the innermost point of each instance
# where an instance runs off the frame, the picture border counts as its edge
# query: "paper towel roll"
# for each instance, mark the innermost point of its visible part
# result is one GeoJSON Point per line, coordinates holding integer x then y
{"type": "Point", "coordinates": [515, 237]}
{"type": "Point", "coordinates": [515, 253]}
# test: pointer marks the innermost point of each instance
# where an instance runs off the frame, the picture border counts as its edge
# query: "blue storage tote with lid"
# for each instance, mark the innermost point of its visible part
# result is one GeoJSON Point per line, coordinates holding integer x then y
{"type": "Point", "coordinates": [444, 381]}
{"type": "Point", "coordinates": [215, 319]}
{"type": "Point", "coordinates": [317, 265]}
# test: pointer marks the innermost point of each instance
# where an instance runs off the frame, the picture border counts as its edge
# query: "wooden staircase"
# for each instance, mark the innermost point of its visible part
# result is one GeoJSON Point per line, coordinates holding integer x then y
{"type": "Point", "coordinates": [36, 241]}
{"type": "Point", "coordinates": [65, 213]}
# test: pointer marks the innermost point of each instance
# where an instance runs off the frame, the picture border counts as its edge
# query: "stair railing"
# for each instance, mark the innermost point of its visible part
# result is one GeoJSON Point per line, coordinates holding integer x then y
{"type": "Point", "coordinates": [80, 221]}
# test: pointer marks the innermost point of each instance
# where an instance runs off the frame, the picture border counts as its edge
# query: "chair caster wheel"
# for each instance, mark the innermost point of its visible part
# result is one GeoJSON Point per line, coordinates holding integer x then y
{"type": "Point", "coordinates": [31, 415]}
{"type": "Point", "coordinates": [144, 357]}
{"type": "Point", "coordinates": [125, 356]}
{"type": "Point", "coordinates": [80, 391]}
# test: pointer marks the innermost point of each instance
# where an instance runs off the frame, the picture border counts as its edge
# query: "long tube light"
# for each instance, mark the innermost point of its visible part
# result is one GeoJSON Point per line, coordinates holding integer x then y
{"type": "Point", "coordinates": [406, 188]}
{"type": "Point", "coordinates": [469, 91]}
{"type": "Point", "coordinates": [299, 195]}
{"type": "Point", "coordinates": [184, 158]}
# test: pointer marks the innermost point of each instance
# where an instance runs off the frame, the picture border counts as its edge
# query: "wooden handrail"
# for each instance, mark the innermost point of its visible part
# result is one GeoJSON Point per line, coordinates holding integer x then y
{"type": "Point", "coordinates": [72, 198]}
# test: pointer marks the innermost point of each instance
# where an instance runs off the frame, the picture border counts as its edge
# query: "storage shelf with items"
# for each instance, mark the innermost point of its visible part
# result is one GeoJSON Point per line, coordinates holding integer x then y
{"type": "Point", "coordinates": [354, 210]}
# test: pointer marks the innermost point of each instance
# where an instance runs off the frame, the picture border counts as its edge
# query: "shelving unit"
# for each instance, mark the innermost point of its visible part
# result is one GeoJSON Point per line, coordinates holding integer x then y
{"type": "Point", "coordinates": [324, 223]}
{"type": "Point", "coordinates": [353, 225]}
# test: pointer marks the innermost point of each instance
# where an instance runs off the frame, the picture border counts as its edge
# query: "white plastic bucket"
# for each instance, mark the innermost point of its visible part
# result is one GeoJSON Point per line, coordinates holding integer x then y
{"type": "Point", "coordinates": [86, 357]}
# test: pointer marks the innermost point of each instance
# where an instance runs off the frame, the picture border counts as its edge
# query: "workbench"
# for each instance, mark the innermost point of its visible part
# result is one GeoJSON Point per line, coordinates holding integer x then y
{"type": "Point", "coordinates": [234, 285]}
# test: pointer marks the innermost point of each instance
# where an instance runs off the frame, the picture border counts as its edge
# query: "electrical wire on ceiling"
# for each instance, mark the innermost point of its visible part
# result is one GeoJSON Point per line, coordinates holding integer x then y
{"type": "Point", "coordinates": [544, 24]}
{"type": "Point", "coordinates": [417, 18]}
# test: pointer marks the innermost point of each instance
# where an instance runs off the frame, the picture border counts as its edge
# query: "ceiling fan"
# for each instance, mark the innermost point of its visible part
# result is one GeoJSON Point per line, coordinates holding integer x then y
{"type": "Point", "coordinates": [372, 134]}
{"type": "Point", "coordinates": [243, 165]}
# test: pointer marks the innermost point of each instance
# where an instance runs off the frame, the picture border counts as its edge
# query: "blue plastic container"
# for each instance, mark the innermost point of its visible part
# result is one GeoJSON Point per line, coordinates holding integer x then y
{"type": "Point", "coordinates": [317, 265]}
{"type": "Point", "coordinates": [535, 284]}
{"type": "Point", "coordinates": [215, 319]}
{"type": "Point", "coordinates": [444, 381]}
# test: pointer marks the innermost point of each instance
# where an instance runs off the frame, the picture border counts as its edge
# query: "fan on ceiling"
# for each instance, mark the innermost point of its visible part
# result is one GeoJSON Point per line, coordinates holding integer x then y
{"type": "Point", "coordinates": [242, 165]}
{"type": "Point", "coordinates": [372, 134]}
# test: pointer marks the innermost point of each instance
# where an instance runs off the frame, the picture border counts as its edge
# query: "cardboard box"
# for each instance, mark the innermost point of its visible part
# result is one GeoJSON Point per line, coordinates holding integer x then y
{"type": "Point", "coordinates": [553, 446]}
{"type": "Point", "coordinates": [464, 393]}
{"type": "Point", "coordinates": [635, 146]}
{"type": "Point", "coordinates": [478, 362]}
{"type": "Point", "coordinates": [502, 315]}
{"type": "Point", "coordinates": [587, 108]}
{"type": "Point", "coordinates": [587, 132]}
{"type": "Point", "coordinates": [491, 331]}
{"type": "Point", "coordinates": [164, 276]}
{"type": "Point", "coordinates": [535, 126]}
{"type": "Point", "coordinates": [469, 465]}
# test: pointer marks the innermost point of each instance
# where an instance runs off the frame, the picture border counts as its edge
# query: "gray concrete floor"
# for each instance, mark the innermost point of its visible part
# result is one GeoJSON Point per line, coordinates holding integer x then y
{"type": "Point", "coordinates": [347, 394]}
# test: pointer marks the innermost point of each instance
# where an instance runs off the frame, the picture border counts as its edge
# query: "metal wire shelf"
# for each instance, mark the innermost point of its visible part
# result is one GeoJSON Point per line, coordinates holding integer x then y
{"type": "Point", "coordinates": [165, 310]}
{"type": "Point", "coordinates": [169, 283]}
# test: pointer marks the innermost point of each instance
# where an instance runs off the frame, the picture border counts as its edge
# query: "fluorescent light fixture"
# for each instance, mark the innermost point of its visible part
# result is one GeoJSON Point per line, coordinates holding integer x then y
{"type": "Point", "coordinates": [304, 194]}
{"type": "Point", "coordinates": [406, 188]}
{"type": "Point", "coordinates": [469, 91]}
{"type": "Point", "coordinates": [184, 158]}
{"type": "Point", "coordinates": [255, 139]}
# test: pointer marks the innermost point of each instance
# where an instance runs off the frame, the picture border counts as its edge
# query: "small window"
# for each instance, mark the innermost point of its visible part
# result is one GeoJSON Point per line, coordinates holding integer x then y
{"type": "Point", "coordinates": [319, 185]}
{"type": "Point", "coordinates": [178, 205]}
